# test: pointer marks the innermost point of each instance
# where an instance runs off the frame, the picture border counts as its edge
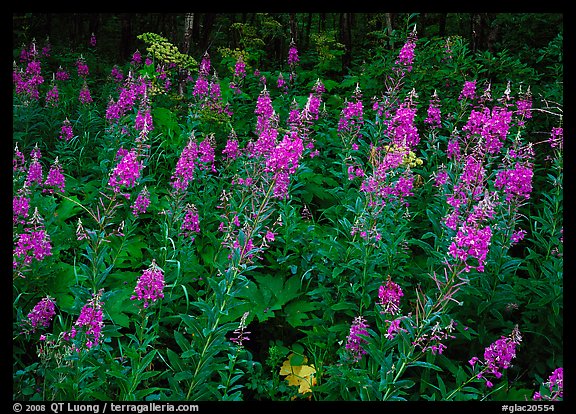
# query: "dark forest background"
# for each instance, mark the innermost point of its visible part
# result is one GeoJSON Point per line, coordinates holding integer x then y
{"type": "Point", "coordinates": [350, 37]}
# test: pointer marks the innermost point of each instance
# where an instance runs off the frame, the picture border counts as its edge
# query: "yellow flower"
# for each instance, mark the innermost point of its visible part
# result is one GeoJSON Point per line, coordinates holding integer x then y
{"type": "Point", "coordinates": [301, 376]}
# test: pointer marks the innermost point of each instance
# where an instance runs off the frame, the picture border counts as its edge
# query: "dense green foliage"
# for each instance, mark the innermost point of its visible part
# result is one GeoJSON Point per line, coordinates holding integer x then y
{"type": "Point", "coordinates": [261, 295]}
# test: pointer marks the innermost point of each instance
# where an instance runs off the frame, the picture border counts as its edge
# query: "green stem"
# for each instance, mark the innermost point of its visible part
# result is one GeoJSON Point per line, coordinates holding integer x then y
{"type": "Point", "coordinates": [229, 286]}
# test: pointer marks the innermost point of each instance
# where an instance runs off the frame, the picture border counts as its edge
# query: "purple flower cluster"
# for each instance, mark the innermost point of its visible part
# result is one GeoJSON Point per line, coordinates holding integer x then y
{"type": "Point", "coordinates": [517, 182]}
{"type": "Point", "coordinates": [55, 178]}
{"type": "Point", "coordinates": [240, 68]}
{"type": "Point", "coordinates": [20, 207]}
{"type": "Point", "coordinates": [192, 156]}
{"type": "Point", "coordinates": [469, 188]}
{"type": "Point", "coordinates": [389, 296]}
{"type": "Point", "coordinates": [231, 151]}
{"type": "Point", "coordinates": [42, 313]}
{"type": "Point", "coordinates": [116, 74]}
{"type": "Point", "coordinates": [28, 82]}
{"type": "Point", "coordinates": [293, 58]}
{"type": "Point", "coordinates": [356, 337]}
{"type": "Point", "coordinates": [66, 132]}
{"type": "Point", "coordinates": [498, 356]}
{"type": "Point", "coordinates": [82, 68]}
{"type": "Point", "coordinates": [554, 387]}
{"type": "Point", "coordinates": [34, 174]}
{"type": "Point", "coordinates": [52, 96]}
{"type": "Point", "coordinates": [406, 55]}
{"type": "Point", "coordinates": [352, 116]}
{"type": "Point", "coordinates": [141, 203]}
{"type": "Point", "coordinates": [34, 243]}
{"type": "Point", "coordinates": [127, 172]}
{"type": "Point", "coordinates": [434, 118]}
{"type": "Point", "coordinates": [283, 161]}
{"type": "Point", "coordinates": [185, 166]}
{"type": "Point", "coordinates": [90, 322]}
{"type": "Point", "coordinates": [473, 242]}
{"type": "Point", "coordinates": [85, 97]}
{"type": "Point", "coordinates": [132, 93]}
{"type": "Point", "coordinates": [394, 328]}
{"type": "Point", "coordinates": [191, 223]}
{"type": "Point", "coordinates": [61, 74]}
{"type": "Point", "coordinates": [401, 128]}
{"type": "Point", "coordinates": [434, 339]}
{"type": "Point", "coordinates": [556, 139]}
{"type": "Point", "coordinates": [468, 91]}
{"type": "Point", "coordinates": [150, 285]}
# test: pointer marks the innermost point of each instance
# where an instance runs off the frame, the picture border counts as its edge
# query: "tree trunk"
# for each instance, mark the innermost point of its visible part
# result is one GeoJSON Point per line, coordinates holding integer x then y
{"type": "Point", "coordinates": [346, 37]}
{"type": "Point", "coordinates": [293, 31]}
{"type": "Point", "coordinates": [126, 36]}
{"type": "Point", "coordinates": [307, 31]}
{"type": "Point", "coordinates": [442, 24]}
{"type": "Point", "coordinates": [188, 29]}
{"type": "Point", "coordinates": [207, 31]}
{"type": "Point", "coordinates": [389, 27]}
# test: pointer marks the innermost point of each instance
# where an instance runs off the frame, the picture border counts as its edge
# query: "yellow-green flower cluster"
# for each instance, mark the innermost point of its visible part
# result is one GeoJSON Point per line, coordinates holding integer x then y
{"type": "Point", "coordinates": [409, 160]}
{"type": "Point", "coordinates": [166, 52]}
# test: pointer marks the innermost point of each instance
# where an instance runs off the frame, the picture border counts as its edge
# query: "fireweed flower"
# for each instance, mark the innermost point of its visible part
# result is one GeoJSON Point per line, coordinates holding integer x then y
{"type": "Point", "coordinates": [556, 138]}
{"type": "Point", "coordinates": [352, 116]}
{"type": "Point", "coordinates": [84, 96]}
{"type": "Point", "coordinates": [433, 340]}
{"type": "Point", "coordinates": [141, 203]}
{"type": "Point", "coordinates": [206, 154]}
{"type": "Point", "coordinates": [517, 182]}
{"type": "Point", "coordinates": [66, 132]}
{"type": "Point", "coordinates": [401, 128]}
{"type": "Point", "coordinates": [185, 166]}
{"type": "Point", "coordinates": [281, 84]}
{"type": "Point", "coordinates": [93, 40]}
{"type": "Point", "coordinates": [127, 172]}
{"type": "Point", "coordinates": [52, 96]}
{"type": "Point", "coordinates": [524, 107]}
{"type": "Point", "coordinates": [42, 313]}
{"type": "Point", "coordinates": [61, 74]}
{"type": "Point", "coordinates": [116, 74]}
{"type": "Point", "coordinates": [240, 68]}
{"type": "Point", "coordinates": [517, 236]}
{"type": "Point", "coordinates": [293, 58]}
{"type": "Point", "coordinates": [471, 242]}
{"type": "Point", "coordinates": [498, 356]}
{"type": "Point", "coordinates": [150, 285]}
{"type": "Point", "coordinates": [191, 223]}
{"type": "Point", "coordinates": [406, 55]}
{"type": "Point", "coordinates": [18, 162]}
{"type": "Point", "coordinates": [34, 243]}
{"type": "Point", "coordinates": [82, 67]}
{"type": "Point", "coordinates": [394, 328]}
{"type": "Point", "coordinates": [266, 122]}
{"type": "Point", "coordinates": [389, 296]}
{"type": "Point", "coordinates": [240, 333]}
{"type": "Point", "coordinates": [231, 151]}
{"type": "Point", "coordinates": [468, 91]}
{"type": "Point", "coordinates": [136, 58]}
{"type": "Point", "coordinates": [554, 387]}
{"type": "Point", "coordinates": [434, 114]}
{"type": "Point", "coordinates": [34, 171]}
{"type": "Point", "coordinates": [355, 338]}
{"type": "Point", "coordinates": [283, 161]}
{"type": "Point", "coordinates": [20, 207]}
{"type": "Point", "coordinates": [89, 322]}
{"type": "Point", "coordinates": [55, 178]}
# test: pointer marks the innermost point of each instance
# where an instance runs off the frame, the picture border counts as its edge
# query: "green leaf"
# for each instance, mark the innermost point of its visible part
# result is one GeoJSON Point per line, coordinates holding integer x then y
{"type": "Point", "coordinates": [424, 364]}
